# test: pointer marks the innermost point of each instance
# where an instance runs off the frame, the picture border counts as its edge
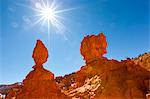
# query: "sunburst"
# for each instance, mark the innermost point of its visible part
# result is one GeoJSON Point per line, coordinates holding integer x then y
{"type": "Point", "coordinates": [49, 13]}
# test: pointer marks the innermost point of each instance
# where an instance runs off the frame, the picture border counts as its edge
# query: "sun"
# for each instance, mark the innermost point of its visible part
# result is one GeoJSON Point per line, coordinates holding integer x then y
{"type": "Point", "coordinates": [46, 12]}
{"type": "Point", "coordinates": [49, 13]}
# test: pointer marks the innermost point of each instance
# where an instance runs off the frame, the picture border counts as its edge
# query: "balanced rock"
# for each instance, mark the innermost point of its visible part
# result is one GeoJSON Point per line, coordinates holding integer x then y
{"type": "Point", "coordinates": [40, 83]}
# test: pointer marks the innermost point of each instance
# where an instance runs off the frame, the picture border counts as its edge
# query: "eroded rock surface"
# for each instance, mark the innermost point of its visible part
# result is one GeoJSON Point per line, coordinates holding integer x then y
{"type": "Point", "coordinates": [107, 79]}
{"type": "Point", "coordinates": [40, 54]}
{"type": "Point", "coordinates": [143, 60]}
{"type": "Point", "coordinates": [93, 47]}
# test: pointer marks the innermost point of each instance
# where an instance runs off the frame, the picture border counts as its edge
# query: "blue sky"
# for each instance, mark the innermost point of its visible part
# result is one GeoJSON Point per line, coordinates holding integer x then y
{"type": "Point", "coordinates": [124, 22]}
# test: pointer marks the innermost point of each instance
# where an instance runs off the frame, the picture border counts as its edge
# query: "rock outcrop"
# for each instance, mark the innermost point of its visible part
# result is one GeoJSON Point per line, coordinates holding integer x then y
{"type": "Point", "coordinates": [40, 83]}
{"type": "Point", "coordinates": [101, 78]}
{"type": "Point", "coordinates": [107, 79]}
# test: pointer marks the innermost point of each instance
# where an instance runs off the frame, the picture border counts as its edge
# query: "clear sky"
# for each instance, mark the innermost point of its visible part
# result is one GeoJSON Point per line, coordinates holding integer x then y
{"type": "Point", "coordinates": [124, 22]}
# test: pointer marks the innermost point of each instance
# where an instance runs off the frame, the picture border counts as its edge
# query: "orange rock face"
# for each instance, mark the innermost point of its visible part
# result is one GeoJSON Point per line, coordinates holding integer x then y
{"type": "Point", "coordinates": [107, 79]}
{"type": "Point", "coordinates": [93, 47]}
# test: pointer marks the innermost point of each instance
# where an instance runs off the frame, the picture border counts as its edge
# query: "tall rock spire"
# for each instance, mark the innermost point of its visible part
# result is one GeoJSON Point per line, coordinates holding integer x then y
{"type": "Point", "coordinates": [40, 83]}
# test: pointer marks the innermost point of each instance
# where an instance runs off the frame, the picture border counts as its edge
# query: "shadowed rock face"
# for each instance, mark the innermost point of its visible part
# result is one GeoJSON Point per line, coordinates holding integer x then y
{"type": "Point", "coordinates": [40, 83]}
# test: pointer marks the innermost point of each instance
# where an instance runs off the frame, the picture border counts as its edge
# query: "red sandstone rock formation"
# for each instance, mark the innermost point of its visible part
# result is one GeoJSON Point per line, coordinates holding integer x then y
{"type": "Point", "coordinates": [40, 83]}
{"type": "Point", "coordinates": [107, 79]}
{"type": "Point", "coordinates": [93, 47]}
{"type": "Point", "coordinates": [101, 78]}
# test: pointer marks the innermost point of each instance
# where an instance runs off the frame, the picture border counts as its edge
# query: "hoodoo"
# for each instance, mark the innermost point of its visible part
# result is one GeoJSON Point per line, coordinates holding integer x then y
{"type": "Point", "coordinates": [40, 83]}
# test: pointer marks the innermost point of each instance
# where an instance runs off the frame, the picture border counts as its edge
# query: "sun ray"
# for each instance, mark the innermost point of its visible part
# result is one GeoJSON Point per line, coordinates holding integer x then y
{"type": "Point", "coordinates": [64, 10]}
{"type": "Point", "coordinates": [38, 21]}
{"type": "Point", "coordinates": [49, 13]}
